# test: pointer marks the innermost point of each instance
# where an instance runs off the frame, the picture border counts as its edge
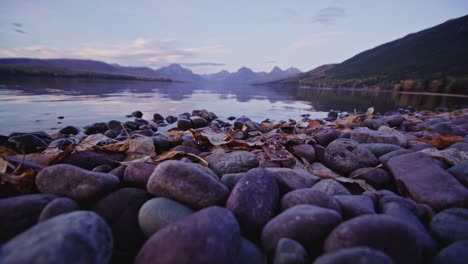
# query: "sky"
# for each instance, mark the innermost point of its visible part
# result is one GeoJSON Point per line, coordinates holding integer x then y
{"type": "Point", "coordinates": [207, 36]}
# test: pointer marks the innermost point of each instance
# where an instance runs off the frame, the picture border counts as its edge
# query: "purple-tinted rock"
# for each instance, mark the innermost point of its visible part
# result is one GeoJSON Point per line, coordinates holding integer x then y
{"type": "Point", "coordinates": [89, 159]}
{"type": "Point", "coordinates": [254, 200]}
{"type": "Point", "coordinates": [210, 235]}
{"type": "Point", "coordinates": [58, 206]}
{"type": "Point", "coordinates": [393, 120]}
{"type": "Point", "coordinates": [186, 183]}
{"type": "Point", "coordinates": [355, 205]}
{"type": "Point", "coordinates": [331, 187]}
{"type": "Point", "coordinates": [425, 182]}
{"type": "Point", "coordinates": [384, 158]}
{"type": "Point", "coordinates": [28, 143]}
{"type": "Point", "coordinates": [378, 178]}
{"type": "Point", "coordinates": [306, 224]}
{"type": "Point", "coordinates": [365, 135]}
{"type": "Point", "coordinates": [450, 225]}
{"type": "Point", "coordinates": [374, 124]}
{"type": "Point", "coordinates": [198, 122]}
{"type": "Point", "coordinates": [289, 251]}
{"type": "Point", "coordinates": [233, 162]}
{"type": "Point", "coordinates": [386, 233]}
{"type": "Point", "coordinates": [250, 253]}
{"type": "Point", "coordinates": [326, 136]}
{"type": "Point", "coordinates": [460, 172]}
{"type": "Point", "coordinates": [184, 124]}
{"type": "Point", "coordinates": [355, 255]}
{"type": "Point", "coordinates": [311, 197]}
{"type": "Point", "coordinates": [289, 179]}
{"type": "Point", "coordinates": [456, 253]}
{"type": "Point", "coordinates": [137, 174]}
{"type": "Point", "coordinates": [20, 213]}
{"type": "Point", "coordinates": [230, 180]}
{"type": "Point", "coordinates": [187, 149]}
{"type": "Point", "coordinates": [346, 156]}
{"type": "Point", "coordinates": [304, 151]}
{"type": "Point", "coordinates": [379, 149]}
{"type": "Point", "coordinates": [75, 183]}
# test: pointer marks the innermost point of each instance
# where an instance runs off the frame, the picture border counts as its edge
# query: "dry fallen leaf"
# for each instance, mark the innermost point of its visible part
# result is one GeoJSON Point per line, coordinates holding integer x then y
{"type": "Point", "coordinates": [139, 147]}
{"type": "Point", "coordinates": [442, 141]}
{"type": "Point", "coordinates": [90, 142]}
{"type": "Point", "coordinates": [4, 151]}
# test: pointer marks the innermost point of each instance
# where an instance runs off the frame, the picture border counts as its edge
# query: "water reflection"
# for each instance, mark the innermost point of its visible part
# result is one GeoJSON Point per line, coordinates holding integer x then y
{"type": "Point", "coordinates": [34, 104]}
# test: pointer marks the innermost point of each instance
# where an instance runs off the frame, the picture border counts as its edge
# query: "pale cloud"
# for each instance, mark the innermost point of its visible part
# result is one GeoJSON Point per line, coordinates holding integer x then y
{"type": "Point", "coordinates": [329, 15]}
{"type": "Point", "coordinates": [139, 52]}
{"type": "Point", "coordinates": [312, 40]}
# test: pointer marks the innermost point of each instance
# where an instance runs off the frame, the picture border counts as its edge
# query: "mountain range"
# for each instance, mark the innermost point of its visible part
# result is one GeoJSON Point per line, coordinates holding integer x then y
{"type": "Point", "coordinates": [247, 76]}
{"type": "Point", "coordinates": [432, 60]}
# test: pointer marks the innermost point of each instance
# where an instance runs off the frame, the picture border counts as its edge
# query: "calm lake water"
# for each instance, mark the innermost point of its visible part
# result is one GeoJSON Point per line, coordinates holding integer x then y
{"type": "Point", "coordinates": [35, 104]}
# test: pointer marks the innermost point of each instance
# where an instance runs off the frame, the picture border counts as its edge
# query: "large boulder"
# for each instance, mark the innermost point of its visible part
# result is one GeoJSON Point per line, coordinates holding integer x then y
{"type": "Point", "coordinates": [186, 183]}
{"type": "Point", "coordinates": [426, 182]}
{"type": "Point", "coordinates": [75, 183]}
{"type": "Point", "coordinates": [211, 235]}
{"type": "Point", "coordinates": [233, 162]}
{"type": "Point", "coordinates": [254, 200]}
{"type": "Point", "coordinates": [346, 156]}
{"type": "Point", "coordinates": [77, 237]}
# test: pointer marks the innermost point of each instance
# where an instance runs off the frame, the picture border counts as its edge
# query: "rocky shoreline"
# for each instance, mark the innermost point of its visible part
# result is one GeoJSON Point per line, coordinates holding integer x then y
{"type": "Point", "coordinates": [353, 188]}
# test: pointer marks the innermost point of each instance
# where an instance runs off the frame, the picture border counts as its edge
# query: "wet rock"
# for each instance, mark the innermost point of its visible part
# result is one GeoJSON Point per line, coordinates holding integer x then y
{"type": "Point", "coordinates": [57, 207]}
{"type": "Point", "coordinates": [210, 235]}
{"type": "Point", "coordinates": [187, 149]}
{"type": "Point", "coordinates": [378, 178]}
{"type": "Point", "coordinates": [28, 143]}
{"type": "Point", "coordinates": [326, 136]}
{"type": "Point", "coordinates": [101, 127]}
{"type": "Point", "coordinates": [450, 225]}
{"type": "Point", "coordinates": [289, 179]}
{"type": "Point", "coordinates": [137, 114]}
{"type": "Point", "coordinates": [380, 149]}
{"type": "Point", "coordinates": [355, 205]}
{"type": "Point", "coordinates": [159, 212]}
{"type": "Point", "coordinates": [460, 172]}
{"type": "Point", "coordinates": [161, 144]}
{"type": "Point", "coordinates": [89, 159]}
{"type": "Point", "coordinates": [77, 237]}
{"type": "Point", "coordinates": [386, 233]}
{"type": "Point", "coordinates": [306, 224]}
{"type": "Point", "coordinates": [90, 130]}
{"type": "Point", "coordinates": [402, 139]}
{"type": "Point", "coordinates": [393, 120]}
{"type": "Point", "coordinates": [198, 122]}
{"type": "Point", "coordinates": [250, 253]}
{"type": "Point", "coordinates": [61, 143]}
{"type": "Point", "coordinates": [171, 119]}
{"type": "Point", "coordinates": [289, 251]}
{"type": "Point", "coordinates": [120, 211]}
{"type": "Point", "coordinates": [137, 174]}
{"type": "Point", "coordinates": [355, 255]}
{"type": "Point", "coordinates": [20, 213]}
{"type": "Point", "coordinates": [186, 183]}
{"type": "Point", "coordinates": [311, 197]}
{"type": "Point", "coordinates": [346, 156]}
{"type": "Point", "coordinates": [304, 151]}
{"type": "Point", "coordinates": [365, 135]}
{"type": "Point", "coordinates": [254, 200]}
{"type": "Point", "coordinates": [132, 125]}
{"type": "Point", "coordinates": [426, 182]}
{"type": "Point", "coordinates": [374, 124]}
{"type": "Point", "coordinates": [184, 124]}
{"type": "Point", "coordinates": [114, 125]}
{"type": "Point", "coordinates": [69, 130]}
{"type": "Point", "coordinates": [384, 158]}
{"type": "Point", "coordinates": [233, 162]}
{"type": "Point", "coordinates": [456, 253]}
{"type": "Point", "coordinates": [75, 183]}
{"type": "Point", "coordinates": [331, 187]}
{"type": "Point", "coordinates": [230, 180]}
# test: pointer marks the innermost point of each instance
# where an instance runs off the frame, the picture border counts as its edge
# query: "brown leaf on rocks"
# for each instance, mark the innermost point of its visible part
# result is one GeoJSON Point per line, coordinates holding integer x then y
{"type": "Point", "coordinates": [4, 151]}
{"type": "Point", "coordinates": [90, 142]}
{"type": "Point", "coordinates": [140, 147]}
{"type": "Point", "coordinates": [177, 155]}
{"type": "Point", "coordinates": [442, 141]}
{"type": "Point", "coordinates": [358, 183]}
{"type": "Point", "coordinates": [314, 124]}
{"type": "Point", "coordinates": [20, 179]}
{"type": "Point", "coordinates": [279, 155]}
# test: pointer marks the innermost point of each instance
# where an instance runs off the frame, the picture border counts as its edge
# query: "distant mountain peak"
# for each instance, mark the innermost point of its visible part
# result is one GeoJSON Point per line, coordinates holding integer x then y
{"type": "Point", "coordinates": [276, 69]}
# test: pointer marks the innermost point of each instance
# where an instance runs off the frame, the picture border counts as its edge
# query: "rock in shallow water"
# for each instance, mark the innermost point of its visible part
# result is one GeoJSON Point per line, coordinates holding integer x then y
{"type": "Point", "coordinates": [211, 235]}
{"type": "Point", "coordinates": [346, 156]}
{"type": "Point", "coordinates": [77, 237]}
{"type": "Point", "coordinates": [186, 183]}
{"type": "Point", "coordinates": [74, 182]}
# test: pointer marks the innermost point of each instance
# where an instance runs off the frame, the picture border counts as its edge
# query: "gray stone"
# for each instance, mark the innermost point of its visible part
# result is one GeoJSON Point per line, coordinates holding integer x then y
{"type": "Point", "coordinates": [289, 179]}
{"type": "Point", "coordinates": [61, 143]}
{"type": "Point", "coordinates": [28, 143]}
{"type": "Point", "coordinates": [355, 255]}
{"type": "Point", "coordinates": [355, 205]}
{"type": "Point", "coordinates": [89, 159]}
{"type": "Point", "coordinates": [393, 120]}
{"type": "Point", "coordinates": [137, 174]}
{"type": "Point", "coordinates": [442, 128]}
{"type": "Point", "coordinates": [326, 136]}
{"type": "Point", "coordinates": [230, 180]}
{"type": "Point", "coordinates": [58, 206]}
{"type": "Point", "coordinates": [374, 124]}
{"type": "Point", "coordinates": [378, 178]}
{"type": "Point", "coordinates": [450, 225]}
{"type": "Point", "coordinates": [160, 212]}
{"type": "Point", "coordinates": [211, 235]}
{"type": "Point", "coordinates": [289, 251]}
{"type": "Point", "coordinates": [379, 149]}
{"type": "Point", "coordinates": [402, 139]}
{"type": "Point", "coordinates": [75, 183]}
{"type": "Point", "coordinates": [426, 182]}
{"type": "Point", "coordinates": [304, 151]}
{"type": "Point", "coordinates": [306, 224]}
{"type": "Point", "coordinates": [331, 187]}
{"type": "Point", "coordinates": [382, 232]}
{"type": "Point", "coordinates": [250, 253]}
{"type": "Point", "coordinates": [365, 135]}
{"type": "Point", "coordinates": [456, 253]}
{"type": "Point", "coordinates": [69, 130]}
{"type": "Point", "coordinates": [120, 211]}
{"type": "Point", "coordinates": [409, 204]}
{"type": "Point", "coordinates": [384, 158]}
{"type": "Point", "coordinates": [186, 183]}
{"type": "Point", "coordinates": [20, 213]}
{"type": "Point", "coordinates": [115, 125]}
{"type": "Point", "coordinates": [233, 162]}
{"type": "Point", "coordinates": [346, 156]}
{"type": "Point", "coordinates": [311, 197]}
{"type": "Point", "coordinates": [104, 168]}
{"type": "Point", "coordinates": [460, 172]}
{"type": "Point", "coordinates": [77, 237]}
{"type": "Point", "coordinates": [254, 200]}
